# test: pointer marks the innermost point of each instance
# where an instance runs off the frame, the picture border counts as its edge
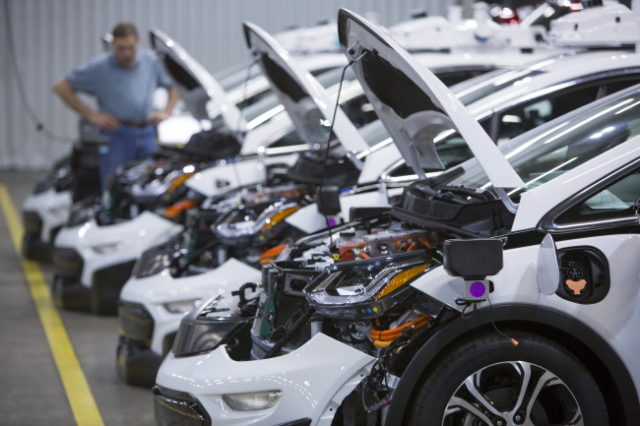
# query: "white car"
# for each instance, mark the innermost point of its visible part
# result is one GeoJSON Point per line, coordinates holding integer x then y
{"type": "Point", "coordinates": [548, 339]}
{"type": "Point", "coordinates": [152, 303]}
{"type": "Point", "coordinates": [87, 252]}
{"type": "Point", "coordinates": [155, 298]}
{"type": "Point", "coordinates": [47, 210]}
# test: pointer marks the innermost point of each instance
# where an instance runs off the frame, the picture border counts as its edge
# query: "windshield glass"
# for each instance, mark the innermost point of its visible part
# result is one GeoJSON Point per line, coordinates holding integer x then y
{"type": "Point", "coordinates": [375, 132]}
{"type": "Point", "coordinates": [479, 87]}
{"type": "Point", "coordinates": [234, 76]}
{"type": "Point", "coordinates": [553, 149]}
{"type": "Point", "coordinates": [269, 106]}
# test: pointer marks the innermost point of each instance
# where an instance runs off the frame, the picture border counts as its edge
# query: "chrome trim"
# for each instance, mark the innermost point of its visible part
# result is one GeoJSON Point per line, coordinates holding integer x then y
{"type": "Point", "coordinates": [291, 149]}
{"type": "Point", "coordinates": [605, 223]}
{"type": "Point", "coordinates": [565, 84]}
{"type": "Point", "coordinates": [374, 148]}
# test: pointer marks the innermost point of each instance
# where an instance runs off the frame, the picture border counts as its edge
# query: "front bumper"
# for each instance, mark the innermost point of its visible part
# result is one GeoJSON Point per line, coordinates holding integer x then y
{"type": "Point", "coordinates": [103, 274]}
{"type": "Point", "coordinates": [136, 363]}
{"type": "Point", "coordinates": [33, 245]}
{"type": "Point", "coordinates": [178, 408]}
{"type": "Point", "coordinates": [313, 379]}
{"type": "Point", "coordinates": [43, 215]}
{"type": "Point", "coordinates": [155, 291]}
{"type": "Point", "coordinates": [69, 292]}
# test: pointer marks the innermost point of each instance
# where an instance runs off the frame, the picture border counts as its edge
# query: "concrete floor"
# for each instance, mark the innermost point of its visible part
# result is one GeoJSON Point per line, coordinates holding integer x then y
{"type": "Point", "coordinates": [32, 390]}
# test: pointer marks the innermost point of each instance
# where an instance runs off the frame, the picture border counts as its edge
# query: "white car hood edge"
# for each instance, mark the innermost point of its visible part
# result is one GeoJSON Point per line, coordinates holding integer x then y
{"type": "Point", "coordinates": [417, 116]}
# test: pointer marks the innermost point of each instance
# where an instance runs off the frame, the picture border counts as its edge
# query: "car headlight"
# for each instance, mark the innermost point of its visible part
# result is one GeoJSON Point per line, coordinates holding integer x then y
{"type": "Point", "coordinates": [106, 248]}
{"type": "Point", "coordinates": [252, 401]}
{"type": "Point", "coordinates": [58, 210]}
{"type": "Point", "coordinates": [157, 258]}
{"type": "Point", "coordinates": [182, 306]}
{"type": "Point", "coordinates": [365, 288]}
{"type": "Point", "coordinates": [80, 213]}
{"type": "Point", "coordinates": [238, 225]}
{"type": "Point", "coordinates": [202, 330]}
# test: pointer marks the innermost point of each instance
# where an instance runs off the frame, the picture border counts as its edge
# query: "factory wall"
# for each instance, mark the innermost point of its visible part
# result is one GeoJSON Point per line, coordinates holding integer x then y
{"type": "Point", "coordinates": [54, 36]}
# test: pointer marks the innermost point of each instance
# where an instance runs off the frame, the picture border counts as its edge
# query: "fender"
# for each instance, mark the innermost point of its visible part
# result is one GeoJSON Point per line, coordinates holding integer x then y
{"type": "Point", "coordinates": [627, 397]}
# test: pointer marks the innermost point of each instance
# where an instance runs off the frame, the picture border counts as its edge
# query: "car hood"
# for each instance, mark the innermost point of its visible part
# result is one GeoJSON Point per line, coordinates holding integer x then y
{"type": "Point", "coordinates": [308, 104]}
{"type": "Point", "coordinates": [414, 105]}
{"type": "Point", "coordinates": [199, 90]}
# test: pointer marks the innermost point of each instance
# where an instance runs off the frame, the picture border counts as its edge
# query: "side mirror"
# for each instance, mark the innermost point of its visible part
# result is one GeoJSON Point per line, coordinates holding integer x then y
{"type": "Point", "coordinates": [473, 260]}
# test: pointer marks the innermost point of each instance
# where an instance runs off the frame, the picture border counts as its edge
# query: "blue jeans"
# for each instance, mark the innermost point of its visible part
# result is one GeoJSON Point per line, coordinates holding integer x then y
{"type": "Point", "coordinates": [126, 144]}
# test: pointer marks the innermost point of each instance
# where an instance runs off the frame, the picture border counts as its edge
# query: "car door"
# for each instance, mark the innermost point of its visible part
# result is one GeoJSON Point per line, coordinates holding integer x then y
{"type": "Point", "coordinates": [597, 233]}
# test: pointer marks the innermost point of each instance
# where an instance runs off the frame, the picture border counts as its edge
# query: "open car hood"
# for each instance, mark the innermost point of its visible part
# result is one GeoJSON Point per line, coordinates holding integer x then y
{"type": "Point", "coordinates": [202, 94]}
{"type": "Point", "coordinates": [415, 106]}
{"type": "Point", "coordinates": [308, 103]}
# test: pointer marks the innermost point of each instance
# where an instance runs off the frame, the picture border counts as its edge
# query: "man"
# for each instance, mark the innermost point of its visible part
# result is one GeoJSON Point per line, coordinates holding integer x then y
{"type": "Point", "coordinates": [123, 82]}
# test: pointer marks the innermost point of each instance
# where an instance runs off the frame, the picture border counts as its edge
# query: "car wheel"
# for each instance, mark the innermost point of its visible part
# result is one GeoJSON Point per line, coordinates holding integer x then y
{"type": "Point", "coordinates": [486, 381]}
{"type": "Point", "coordinates": [34, 249]}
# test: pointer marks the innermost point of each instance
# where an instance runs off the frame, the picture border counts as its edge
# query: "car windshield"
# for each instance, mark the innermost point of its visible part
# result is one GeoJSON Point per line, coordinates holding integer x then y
{"type": "Point", "coordinates": [234, 76]}
{"type": "Point", "coordinates": [269, 106]}
{"type": "Point", "coordinates": [482, 86]}
{"type": "Point", "coordinates": [374, 133]}
{"type": "Point", "coordinates": [557, 147]}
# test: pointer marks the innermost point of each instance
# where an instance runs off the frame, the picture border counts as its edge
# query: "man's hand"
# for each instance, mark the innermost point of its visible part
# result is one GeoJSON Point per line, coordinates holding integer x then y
{"type": "Point", "coordinates": [104, 120]}
{"type": "Point", "coordinates": [158, 116]}
{"type": "Point", "coordinates": [68, 95]}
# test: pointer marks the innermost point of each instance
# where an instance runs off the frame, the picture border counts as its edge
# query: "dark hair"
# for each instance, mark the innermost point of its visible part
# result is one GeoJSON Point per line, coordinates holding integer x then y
{"type": "Point", "coordinates": [125, 29]}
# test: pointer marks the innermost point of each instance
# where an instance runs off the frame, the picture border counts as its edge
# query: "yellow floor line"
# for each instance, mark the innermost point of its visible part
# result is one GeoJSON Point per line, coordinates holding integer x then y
{"type": "Point", "coordinates": [83, 405]}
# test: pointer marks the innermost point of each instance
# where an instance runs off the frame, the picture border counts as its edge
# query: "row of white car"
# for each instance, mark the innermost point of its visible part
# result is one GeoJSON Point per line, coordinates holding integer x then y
{"type": "Point", "coordinates": [476, 268]}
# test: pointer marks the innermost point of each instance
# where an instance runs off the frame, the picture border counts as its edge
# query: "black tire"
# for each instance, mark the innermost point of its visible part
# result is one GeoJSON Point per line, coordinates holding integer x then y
{"type": "Point", "coordinates": [445, 379]}
{"type": "Point", "coordinates": [34, 249]}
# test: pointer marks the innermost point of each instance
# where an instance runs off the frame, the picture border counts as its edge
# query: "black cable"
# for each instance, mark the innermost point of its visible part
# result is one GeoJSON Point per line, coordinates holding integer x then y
{"type": "Point", "coordinates": [237, 132]}
{"type": "Point", "coordinates": [244, 95]}
{"type": "Point", "coordinates": [39, 126]}
{"type": "Point", "coordinates": [328, 148]}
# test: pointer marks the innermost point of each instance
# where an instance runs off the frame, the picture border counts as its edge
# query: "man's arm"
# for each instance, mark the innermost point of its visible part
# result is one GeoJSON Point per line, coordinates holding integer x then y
{"type": "Point", "coordinates": [172, 98]}
{"type": "Point", "coordinates": [105, 121]}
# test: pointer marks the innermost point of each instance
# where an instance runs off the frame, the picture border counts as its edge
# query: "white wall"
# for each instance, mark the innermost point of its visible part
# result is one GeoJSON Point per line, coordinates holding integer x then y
{"type": "Point", "coordinates": [54, 36]}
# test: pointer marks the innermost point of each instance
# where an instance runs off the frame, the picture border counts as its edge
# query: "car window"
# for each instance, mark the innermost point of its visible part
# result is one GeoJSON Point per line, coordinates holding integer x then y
{"type": "Point", "coordinates": [616, 201]}
{"type": "Point", "coordinates": [359, 110]}
{"type": "Point", "coordinates": [533, 113]}
{"type": "Point", "coordinates": [550, 150]}
{"type": "Point", "coordinates": [290, 139]}
{"type": "Point", "coordinates": [527, 116]}
{"type": "Point", "coordinates": [452, 148]}
{"type": "Point", "coordinates": [401, 170]}
{"type": "Point", "coordinates": [622, 83]}
{"type": "Point", "coordinates": [480, 87]}
{"type": "Point", "coordinates": [255, 98]}
{"type": "Point", "coordinates": [449, 78]}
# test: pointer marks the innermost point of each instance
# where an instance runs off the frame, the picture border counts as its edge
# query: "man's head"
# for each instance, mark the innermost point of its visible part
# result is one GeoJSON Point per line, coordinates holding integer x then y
{"type": "Point", "coordinates": [125, 43]}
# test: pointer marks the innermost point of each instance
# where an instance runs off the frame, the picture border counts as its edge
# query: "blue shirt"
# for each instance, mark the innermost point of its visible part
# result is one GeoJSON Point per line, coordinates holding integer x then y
{"type": "Point", "coordinates": [125, 93]}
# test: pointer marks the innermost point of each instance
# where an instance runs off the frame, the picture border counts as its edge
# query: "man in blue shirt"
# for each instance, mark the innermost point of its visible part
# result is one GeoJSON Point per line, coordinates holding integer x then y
{"type": "Point", "coordinates": [123, 82]}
